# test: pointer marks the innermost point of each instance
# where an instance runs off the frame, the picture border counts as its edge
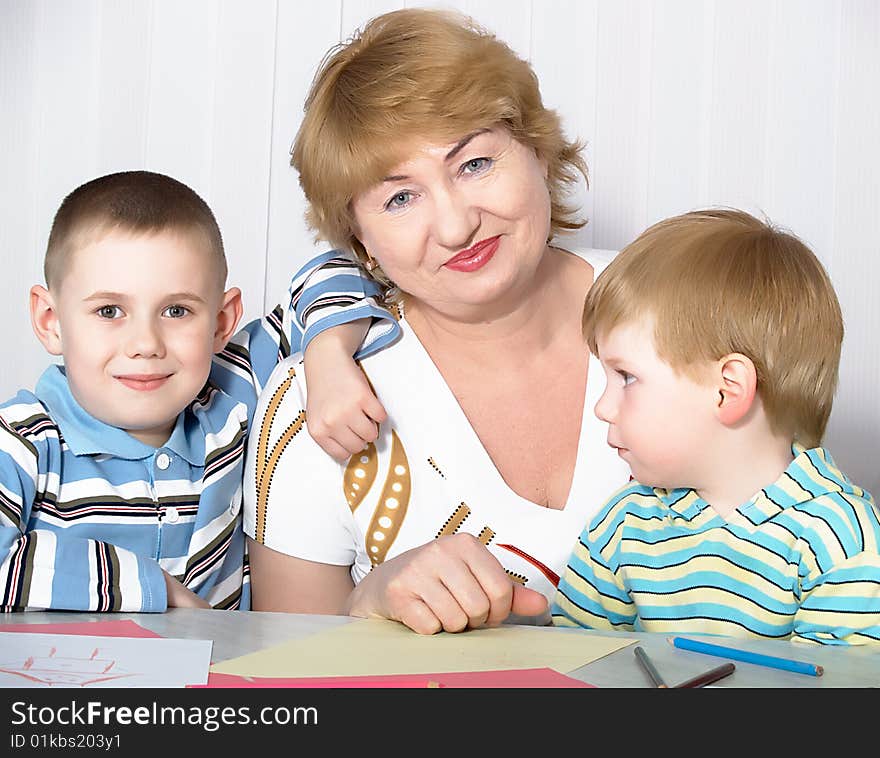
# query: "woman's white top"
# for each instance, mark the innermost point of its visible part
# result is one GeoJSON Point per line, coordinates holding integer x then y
{"type": "Point", "coordinates": [426, 476]}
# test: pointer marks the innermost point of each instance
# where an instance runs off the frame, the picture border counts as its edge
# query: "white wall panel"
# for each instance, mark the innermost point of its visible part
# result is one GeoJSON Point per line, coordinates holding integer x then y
{"type": "Point", "coordinates": [564, 59]}
{"type": "Point", "coordinates": [303, 38]}
{"type": "Point", "coordinates": [180, 115]}
{"type": "Point", "coordinates": [620, 154]}
{"type": "Point", "coordinates": [853, 210]}
{"type": "Point", "coordinates": [238, 189]}
{"type": "Point", "coordinates": [21, 226]}
{"type": "Point", "coordinates": [124, 66]}
{"type": "Point", "coordinates": [681, 71]}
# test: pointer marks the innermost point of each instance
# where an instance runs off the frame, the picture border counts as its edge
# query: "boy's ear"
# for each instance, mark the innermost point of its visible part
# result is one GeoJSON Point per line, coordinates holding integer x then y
{"type": "Point", "coordinates": [737, 388]}
{"type": "Point", "coordinates": [44, 319]}
{"type": "Point", "coordinates": [227, 317]}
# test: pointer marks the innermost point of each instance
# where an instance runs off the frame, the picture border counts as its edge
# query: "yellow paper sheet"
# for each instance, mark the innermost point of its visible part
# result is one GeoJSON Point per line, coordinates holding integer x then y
{"type": "Point", "coordinates": [373, 647]}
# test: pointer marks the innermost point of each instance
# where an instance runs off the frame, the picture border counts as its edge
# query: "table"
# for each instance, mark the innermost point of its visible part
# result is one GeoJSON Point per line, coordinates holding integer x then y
{"type": "Point", "coordinates": [236, 633]}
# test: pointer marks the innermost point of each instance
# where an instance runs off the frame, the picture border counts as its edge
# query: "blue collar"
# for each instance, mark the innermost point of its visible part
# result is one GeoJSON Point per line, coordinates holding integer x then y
{"type": "Point", "coordinates": [86, 435]}
{"type": "Point", "coordinates": [811, 473]}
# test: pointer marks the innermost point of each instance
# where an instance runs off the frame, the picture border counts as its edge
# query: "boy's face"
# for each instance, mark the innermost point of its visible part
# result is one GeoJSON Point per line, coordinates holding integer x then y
{"type": "Point", "coordinates": [660, 421]}
{"type": "Point", "coordinates": [138, 319]}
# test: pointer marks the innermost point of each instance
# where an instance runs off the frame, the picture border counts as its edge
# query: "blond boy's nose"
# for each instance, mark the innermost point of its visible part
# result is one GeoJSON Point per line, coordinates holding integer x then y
{"type": "Point", "coordinates": [604, 407]}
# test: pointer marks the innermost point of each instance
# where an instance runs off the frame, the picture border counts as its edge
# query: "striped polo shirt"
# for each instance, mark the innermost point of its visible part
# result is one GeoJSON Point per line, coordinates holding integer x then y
{"type": "Point", "coordinates": [799, 560]}
{"type": "Point", "coordinates": [89, 515]}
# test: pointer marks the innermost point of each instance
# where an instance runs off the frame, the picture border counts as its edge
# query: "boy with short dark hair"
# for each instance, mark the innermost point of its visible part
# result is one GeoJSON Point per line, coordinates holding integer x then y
{"type": "Point", "coordinates": [121, 473]}
{"type": "Point", "coordinates": [720, 337]}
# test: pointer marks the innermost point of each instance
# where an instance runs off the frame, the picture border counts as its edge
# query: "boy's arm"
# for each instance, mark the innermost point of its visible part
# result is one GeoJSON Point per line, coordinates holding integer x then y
{"type": "Point", "coordinates": [51, 569]}
{"type": "Point", "coordinates": [333, 308]}
{"type": "Point", "coordinates": [343, 413]}
{"type": "Point", "coordinates": [333, 303]}
{"type": "Point", "coordinates": [333, 289]}
{"type": "Point", "coordinates": [591, 593]}
{"type": "Point", "coordinates": [841, 606]}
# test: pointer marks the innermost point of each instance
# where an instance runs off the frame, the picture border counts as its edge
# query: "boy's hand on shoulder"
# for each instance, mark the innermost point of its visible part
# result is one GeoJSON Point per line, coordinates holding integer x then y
{"type": "Point", "coordinates": [342, 413]}
{"type": "Point", "coordinates": [181, 597]}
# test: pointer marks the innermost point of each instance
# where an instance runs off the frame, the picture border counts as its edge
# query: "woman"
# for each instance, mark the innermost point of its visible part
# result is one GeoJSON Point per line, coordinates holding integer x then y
{"type": "Point", "coordinates": [425, 149]}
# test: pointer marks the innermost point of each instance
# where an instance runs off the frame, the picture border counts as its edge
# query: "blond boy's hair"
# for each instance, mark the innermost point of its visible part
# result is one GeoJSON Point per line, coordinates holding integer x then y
{"type": "Point", "coordinates": [140, 202]}
{"type": "Point", "coordinates": [410, 75]}
{"type": "Point", "coordinates": [721, 281]}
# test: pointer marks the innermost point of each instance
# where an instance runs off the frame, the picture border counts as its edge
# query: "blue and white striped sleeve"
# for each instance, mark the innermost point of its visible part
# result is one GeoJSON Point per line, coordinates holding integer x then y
{"type": "Point", "coordinates": [47, 568]}
{"type": "Point", "coordinates": [333, 289]}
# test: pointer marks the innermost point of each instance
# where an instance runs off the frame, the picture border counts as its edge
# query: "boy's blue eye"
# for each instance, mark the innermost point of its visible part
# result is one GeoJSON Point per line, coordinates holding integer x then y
{"type": "Point", "coordinates": [175, 311]}
{"type": "Point", "coordinates": [476, 165]}
{"type": "Point", "coordinates": [400, 200]}
{"type": "Point", "coordinates": [109, 311]}
{"type": "Point", "coordinates": [627, 377]}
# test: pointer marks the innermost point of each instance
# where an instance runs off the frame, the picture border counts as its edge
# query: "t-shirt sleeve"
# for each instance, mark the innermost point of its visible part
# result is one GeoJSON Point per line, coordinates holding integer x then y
{"type": "Point", "coordinates": [841, 606]}
{"type": "Point", "coordinates": [52, 568]}
{"type": "Point", "coordinates": [294, 500]}
{"type": "Point", "coordinates": [333, 289]}
{"type": "Point", "coordinates": [591, 592]}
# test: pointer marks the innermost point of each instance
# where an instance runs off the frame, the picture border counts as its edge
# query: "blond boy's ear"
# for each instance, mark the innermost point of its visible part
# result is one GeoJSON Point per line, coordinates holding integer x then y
{"type": "Point", "coordinates": [44, 319]}
{"type": "Point", "coordinates": [737, 388]}
{"type": "Point", "coordinates": [227, 317]}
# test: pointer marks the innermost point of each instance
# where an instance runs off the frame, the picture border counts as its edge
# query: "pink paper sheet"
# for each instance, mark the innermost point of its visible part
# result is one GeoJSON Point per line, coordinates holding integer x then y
{"type": "Point", "coordinates": [541, 677]}
{"type": "Point", "coordinates": [117, 628]}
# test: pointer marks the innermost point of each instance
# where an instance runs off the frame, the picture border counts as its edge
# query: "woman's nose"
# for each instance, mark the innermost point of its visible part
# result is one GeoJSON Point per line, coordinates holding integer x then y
{"type": "Point", "coordinates": [457, 219]}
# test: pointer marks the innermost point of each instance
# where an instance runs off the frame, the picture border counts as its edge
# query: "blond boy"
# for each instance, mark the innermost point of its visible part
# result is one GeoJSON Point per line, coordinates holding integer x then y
{"type": "Point", "coordinates": [720, 338]}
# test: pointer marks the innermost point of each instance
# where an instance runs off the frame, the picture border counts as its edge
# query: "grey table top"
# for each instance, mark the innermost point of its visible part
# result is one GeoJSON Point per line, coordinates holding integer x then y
{"type": "Point", "coordinates": [238, 633]}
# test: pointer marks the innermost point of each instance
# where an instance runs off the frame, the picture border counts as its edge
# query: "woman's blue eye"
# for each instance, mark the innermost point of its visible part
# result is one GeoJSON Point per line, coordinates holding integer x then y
{"type": "Point", "coordinates": [399, 200]}
{"type": "Point", "coordinates": [109, 311]}
{"type": "Point", "coordinates": [476, 165]}
{"type": "Point", "coordinates": [176, 311]}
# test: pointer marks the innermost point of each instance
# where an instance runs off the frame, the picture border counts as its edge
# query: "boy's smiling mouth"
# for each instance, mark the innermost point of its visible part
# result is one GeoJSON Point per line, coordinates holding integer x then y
{"type": "Point", "coordinates": [143, 382]}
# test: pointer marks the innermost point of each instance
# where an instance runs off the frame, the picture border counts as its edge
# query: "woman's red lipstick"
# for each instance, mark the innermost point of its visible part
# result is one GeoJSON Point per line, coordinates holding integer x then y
{"type": "Point", "coordinates": [476, 256]}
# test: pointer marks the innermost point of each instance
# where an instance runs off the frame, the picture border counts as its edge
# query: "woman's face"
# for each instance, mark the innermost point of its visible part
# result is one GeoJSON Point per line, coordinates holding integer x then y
{"type": "Point", "coordinates": [462, 224]}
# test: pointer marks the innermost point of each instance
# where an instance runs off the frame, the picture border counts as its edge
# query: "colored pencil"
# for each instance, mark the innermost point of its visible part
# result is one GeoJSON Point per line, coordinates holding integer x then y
{"type": "Point", "coordinates": [649, 667]}
{"type": "Point", "coordinates": [712, 675]}
{"type": "Point", "coordinates": [786, 664]}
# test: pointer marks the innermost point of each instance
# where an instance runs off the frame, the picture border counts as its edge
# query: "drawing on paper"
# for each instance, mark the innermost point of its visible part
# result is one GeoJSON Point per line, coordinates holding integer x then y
{"type": "Point", "coordinates": [66, 671]}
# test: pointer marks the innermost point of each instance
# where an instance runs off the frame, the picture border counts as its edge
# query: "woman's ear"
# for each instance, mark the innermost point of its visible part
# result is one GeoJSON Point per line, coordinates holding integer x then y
{"type": "Point", "coordinates": [737, 388]}
{"type": "Point", "coordinates": [44, 319]}
{"type": "Point", "coordinates": [227, 317]}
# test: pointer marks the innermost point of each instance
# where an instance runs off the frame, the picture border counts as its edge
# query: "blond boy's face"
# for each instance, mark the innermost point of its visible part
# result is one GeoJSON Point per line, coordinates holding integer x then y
{"type": "Point", "coordinates": [138, 321]}
{"type": "Point", "coordinates": [660, 421]}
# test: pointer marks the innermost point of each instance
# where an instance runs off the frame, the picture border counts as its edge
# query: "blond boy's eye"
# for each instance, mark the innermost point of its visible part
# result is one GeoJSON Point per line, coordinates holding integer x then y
{"type": "Point", "coordinates": [176, 311]}
{"type": "Point", "coordinates": [109, 311]}
{"type": "Point", "coordinates": [627, 377]}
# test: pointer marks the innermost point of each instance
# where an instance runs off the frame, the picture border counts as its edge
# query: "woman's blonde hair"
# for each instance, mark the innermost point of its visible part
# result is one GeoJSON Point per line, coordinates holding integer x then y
{"type": "Point", "coordinates": [721, 281]}
{"type": "Point", "coordinates": [417, 74]}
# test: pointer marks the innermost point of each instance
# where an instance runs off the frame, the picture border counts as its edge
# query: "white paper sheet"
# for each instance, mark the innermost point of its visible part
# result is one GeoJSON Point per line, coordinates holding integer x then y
{"type": "Point", "coordinates": [72, 660]}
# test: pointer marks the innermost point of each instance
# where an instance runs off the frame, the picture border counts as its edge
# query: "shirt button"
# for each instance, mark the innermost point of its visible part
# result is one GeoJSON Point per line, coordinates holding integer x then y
{"type": "Point", "coordinates": [163, 461]}
{"type": "Point", "coordinates": [171, 515]}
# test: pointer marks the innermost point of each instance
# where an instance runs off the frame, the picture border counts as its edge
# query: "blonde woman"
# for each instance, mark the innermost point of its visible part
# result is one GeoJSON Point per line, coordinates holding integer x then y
{"type": "Point", "coordinates": [426, 151]}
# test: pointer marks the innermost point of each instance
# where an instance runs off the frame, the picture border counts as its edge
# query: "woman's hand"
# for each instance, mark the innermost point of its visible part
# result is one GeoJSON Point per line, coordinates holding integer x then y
{"type": "Point", "coordinates": [451, 584]}
{"type": "Point", "coordinates": [181, 597]}
{"type": "Point", "coordinates": [342, 413]}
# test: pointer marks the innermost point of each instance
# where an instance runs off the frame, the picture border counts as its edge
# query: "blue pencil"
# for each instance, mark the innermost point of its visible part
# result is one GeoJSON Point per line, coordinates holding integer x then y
{"type": "Point", "coordinates": [746, 656]}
